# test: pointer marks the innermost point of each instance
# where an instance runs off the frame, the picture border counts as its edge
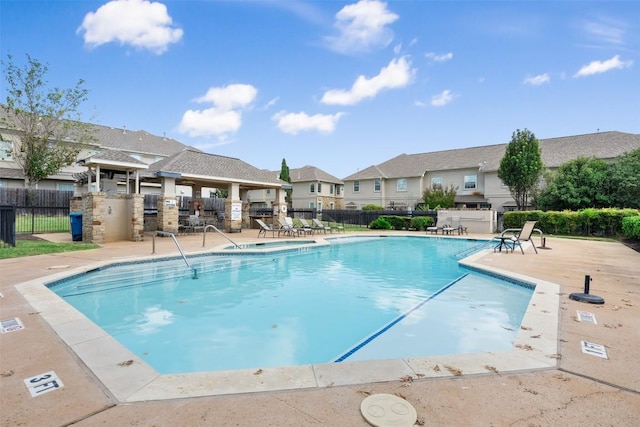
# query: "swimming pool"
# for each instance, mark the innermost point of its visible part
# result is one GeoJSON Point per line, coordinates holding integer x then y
{"type": "Point", "coordinates": [356, 299]}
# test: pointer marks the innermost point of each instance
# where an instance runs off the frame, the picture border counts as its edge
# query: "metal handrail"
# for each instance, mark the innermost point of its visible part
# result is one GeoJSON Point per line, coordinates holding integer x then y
{"type": "Point", "coordinates": [173, 236]}
{"type": "Point", "coordinates": [204, 235]}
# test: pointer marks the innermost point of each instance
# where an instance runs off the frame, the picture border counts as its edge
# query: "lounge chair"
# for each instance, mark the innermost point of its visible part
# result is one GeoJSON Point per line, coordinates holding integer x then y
{"type": "Point", "coordinates": [320, 226]}
{"type": "Point", "coordinates": [510, 238]}
{"type": "Point", "coordinates": [195, 223]}
{"type": "Point", "coordinates": [265, 228]}
{"type": "Point", "coordinates": [441, 223]}
{"type": "Point", "coordinates": [286, 228]}
{"type": "Point", "coordinates": [289, 222]}
{"type": "Point", "coordinates": [306, 226]}
{"type": "Point", "coordinates": [454, 226]}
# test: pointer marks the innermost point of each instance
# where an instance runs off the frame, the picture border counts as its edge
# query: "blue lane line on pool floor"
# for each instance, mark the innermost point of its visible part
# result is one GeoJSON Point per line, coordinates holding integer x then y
{"type": "Point", "coordinates": [396, 320]}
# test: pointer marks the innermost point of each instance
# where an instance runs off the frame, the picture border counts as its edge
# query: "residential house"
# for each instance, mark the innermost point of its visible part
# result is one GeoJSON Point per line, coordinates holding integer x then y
{"type": "Point", "coordinates": [400, 182]}
{"type": "Point", "coordinates": [139, 146]}
{"type": "Point", "coordinates": [313, 188]}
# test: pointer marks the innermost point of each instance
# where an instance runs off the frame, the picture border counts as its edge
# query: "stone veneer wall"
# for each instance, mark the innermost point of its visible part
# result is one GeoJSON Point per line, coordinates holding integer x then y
{"type": "Point", "coordinates": [93, 208]}
{"type": "Point", "coordinates": [137, 216]}
{"type": "Point", "coordinates": [167, 214]}
{"type": "Point", "coordinates": [93, 229]}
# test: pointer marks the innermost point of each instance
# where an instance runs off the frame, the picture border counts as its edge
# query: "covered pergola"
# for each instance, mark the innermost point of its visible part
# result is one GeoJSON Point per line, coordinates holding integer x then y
{"type": "Point", "coordinates": [110, 215]}
{"type": "Point", "coordinates": [200, 170]}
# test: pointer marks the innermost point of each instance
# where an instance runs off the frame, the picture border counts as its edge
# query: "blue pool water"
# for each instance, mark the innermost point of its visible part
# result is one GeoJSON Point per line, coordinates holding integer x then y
{"type": "Point", "coordinates": [356, 299]}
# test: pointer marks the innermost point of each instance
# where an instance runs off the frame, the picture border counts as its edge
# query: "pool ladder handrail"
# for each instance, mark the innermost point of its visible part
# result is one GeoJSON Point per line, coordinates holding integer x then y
{"type": "Point", "coordinates": [173, 236]}
{"type": "Point", "coordinates": [204, 235]}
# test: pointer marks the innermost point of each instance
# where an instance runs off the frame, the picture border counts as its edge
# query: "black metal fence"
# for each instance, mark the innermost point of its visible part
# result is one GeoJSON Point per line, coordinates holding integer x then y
{"type": "Point", "coordinates": [364, 218]}
{"type": "Point", "coordinates": [37, 211]}
{"type": "Point", "coordinates": [47, 211]}
{"type": "Point", "coordinates": [7, 226]}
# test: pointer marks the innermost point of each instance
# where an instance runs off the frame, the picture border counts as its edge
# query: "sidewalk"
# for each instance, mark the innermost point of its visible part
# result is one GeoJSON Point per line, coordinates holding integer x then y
{"type": "Point", "coordinates": [581, 390]}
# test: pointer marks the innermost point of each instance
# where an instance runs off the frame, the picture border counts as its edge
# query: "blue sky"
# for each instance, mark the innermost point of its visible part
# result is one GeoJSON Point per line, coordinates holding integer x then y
{"type": "Point", "coordinates": [334, 84]}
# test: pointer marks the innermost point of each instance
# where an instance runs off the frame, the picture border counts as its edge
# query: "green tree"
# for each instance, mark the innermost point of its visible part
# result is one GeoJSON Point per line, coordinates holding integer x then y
{"type": "Point", "coordinates": [578, 184]}
{"type": "Point", "coordinates": [440, 197]}
{"type": "Point", "coordinates": [625, 181]}
{"type": "Point", "coordinates": [284, 175]}
{"type": "Point", "coordinates": [47, 120]}
{"type": "Point", "coordinates": [521, 167]}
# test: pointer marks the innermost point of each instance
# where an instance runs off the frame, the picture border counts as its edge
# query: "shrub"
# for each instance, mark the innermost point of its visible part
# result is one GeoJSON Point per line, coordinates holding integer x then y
{"type": "Point", "coordinates": [631, 227]}
{"type": "Point", "coordinates": [396, 222]}
{"type": "Point", "coordinates": [421, 222]}
{"type": "Point", "coordinates": [380, 224]}
{"type": "Point", "coordinates": [586, 222]}
{"type": "Point", "coordinates": [372, 208]}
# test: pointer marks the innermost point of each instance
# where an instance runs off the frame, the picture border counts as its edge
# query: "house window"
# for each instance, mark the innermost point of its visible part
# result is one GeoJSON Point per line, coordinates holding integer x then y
{"type": "Point", "coordinates": [356, 186]}
{"type": "Point", "coordinates": [319, 187]}
{"type": "Point", "coordinates": [6, 150]}
{"type": "Point", "coordinates": [470, 182]}
{"type": "Point", "coordinates": [401, 185]}
{"type": "Point", "coordinates": [436, 183]}
{"type": "Point", "coordinates": [331, 188]}
{"type": "Point", "coordinates": [64, 187]}
{"type": "Point", "coordinates": [268, 191]}
{"type": "Point", "coordinates": [2, 183]}
{"type": "Point", "coordinates": [319, 206]}
{"type": "Point", "coordinates": [376, 185]}
{"type": "Point", "coordinates": [312, 187]}
{"type": "Point", "coordinates": [332, 206]}
{"type": "Point", "coordinates": [337, 190]}
{"type": "Point", "coordinates": [311, 205]}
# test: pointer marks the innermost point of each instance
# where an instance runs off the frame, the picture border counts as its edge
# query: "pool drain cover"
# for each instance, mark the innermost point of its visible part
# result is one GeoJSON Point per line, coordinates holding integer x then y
{"type": "Point", "coordinates": [387, 410]}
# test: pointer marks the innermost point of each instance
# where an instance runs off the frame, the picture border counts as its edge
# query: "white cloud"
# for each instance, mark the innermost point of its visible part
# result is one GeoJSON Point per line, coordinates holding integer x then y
{"type": "Point", "coordinates": [229, 97]}
{"type": "Point", "coordinates": [210, 122]}
{"type": "Point", "coordinates": [606, 30]}
{"type": "Point", "coordinates": [598, 67]}
{"type": "Point", "coordinates": [443, 98]}
{"type": "Point", "coordinates": [395, 75]}
{"type": "Point", "coordinates": [538, 80]}
{"type": "Point", "coordinates": [271, 103]}
{"type": "Point", "coordinates": [292, 123]}
{"type": "Point", "coordinates": [225, 117]}
{"type": "Point", "coordinates": [362, 26]}
{"type": "Point", "coordinates": [441, 57]}
{"type": "Point", "coordinates": [139, 23]}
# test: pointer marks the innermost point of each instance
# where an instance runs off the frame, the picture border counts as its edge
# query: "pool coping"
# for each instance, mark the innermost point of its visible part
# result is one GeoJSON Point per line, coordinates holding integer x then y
{"type": "Point", "coordinates": [130, 379]}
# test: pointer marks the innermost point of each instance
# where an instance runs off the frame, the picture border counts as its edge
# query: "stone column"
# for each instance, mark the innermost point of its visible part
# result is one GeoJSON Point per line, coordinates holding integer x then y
{"type": "Point", "coordinates": [233, 209]}
{"type": "Point", "coordinates": [93, 229]}
{"type": "Point", "coordinates": [136, 206]}
{"type": "Point", "coordinates": [168, 206]}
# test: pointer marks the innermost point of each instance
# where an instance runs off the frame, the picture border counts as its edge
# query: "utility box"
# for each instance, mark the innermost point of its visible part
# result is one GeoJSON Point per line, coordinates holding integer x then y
{"type": "Point", "coordinates": [76, 226]}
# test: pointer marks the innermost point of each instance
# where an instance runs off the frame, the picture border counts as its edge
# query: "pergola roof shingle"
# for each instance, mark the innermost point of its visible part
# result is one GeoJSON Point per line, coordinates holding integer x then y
{"type": "Point", "coordinates": [114, 159]}
{"type": "Point", "coordinates": [210, 167]}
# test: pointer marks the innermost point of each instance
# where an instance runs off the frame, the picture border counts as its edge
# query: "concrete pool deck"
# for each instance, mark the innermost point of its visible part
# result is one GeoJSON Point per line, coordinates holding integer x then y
{"type": "Point", "coordinates": [571, 388]}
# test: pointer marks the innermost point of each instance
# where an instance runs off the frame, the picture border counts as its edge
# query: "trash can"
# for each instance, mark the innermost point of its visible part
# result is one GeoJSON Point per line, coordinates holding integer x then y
{"type": "Point", "coordinates": [76, 226]}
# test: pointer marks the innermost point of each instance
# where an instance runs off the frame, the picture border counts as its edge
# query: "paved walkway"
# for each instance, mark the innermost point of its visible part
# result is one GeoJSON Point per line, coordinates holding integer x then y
{"type": "Point", "coordinates": [580, 390]}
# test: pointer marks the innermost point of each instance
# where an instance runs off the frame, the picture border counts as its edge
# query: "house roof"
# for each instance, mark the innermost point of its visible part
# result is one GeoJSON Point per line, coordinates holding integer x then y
{"type": "Point", "coordinates": [125, 140]}
{"type": "Point", "coordinates": [113, 159]}
{"type": "Point", "coordinates": [371, 172]}
{"type": "Point", "coordinates": [312, 173]}
{"type": "Point", "coordinates": [555, 152]}
{"type": "Point", "coordinates": [190, 163]}
{"type": "Point", "coordinates": [137, 141]}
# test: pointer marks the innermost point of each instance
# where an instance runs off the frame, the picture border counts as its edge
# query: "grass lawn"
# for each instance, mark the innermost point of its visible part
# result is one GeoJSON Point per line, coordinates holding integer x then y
{"type": "Point", "coordinates": [38, 247]}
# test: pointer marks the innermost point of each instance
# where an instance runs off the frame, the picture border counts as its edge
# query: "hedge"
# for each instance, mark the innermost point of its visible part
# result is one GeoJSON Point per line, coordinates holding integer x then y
{"type": "Point", "coordinates": [586, 222]}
